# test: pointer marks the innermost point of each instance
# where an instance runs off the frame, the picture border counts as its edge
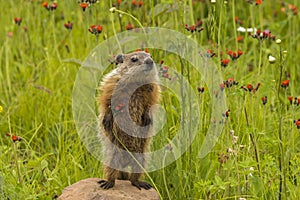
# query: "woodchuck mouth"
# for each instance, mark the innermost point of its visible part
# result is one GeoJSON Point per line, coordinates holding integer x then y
{"type": "Point", "coordinates": [148, 67]}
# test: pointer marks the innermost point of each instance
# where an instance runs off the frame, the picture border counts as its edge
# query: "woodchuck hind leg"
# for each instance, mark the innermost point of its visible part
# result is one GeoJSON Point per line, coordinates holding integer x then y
{"type": "Point", "coordinates": [111, 175]}
{"type": "Point", "coordinates": [134, 179]}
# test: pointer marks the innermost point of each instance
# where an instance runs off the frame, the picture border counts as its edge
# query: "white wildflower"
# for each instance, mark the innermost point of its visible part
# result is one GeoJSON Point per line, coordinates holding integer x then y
{"type": "Point", "coordinates": [241, 29]}
{"type": "Point", "coordinates": [278, 41]}
{"type": "Point", "coordinates": [112, 9]}
{"type": "Point", "coordinates": [272, 59]}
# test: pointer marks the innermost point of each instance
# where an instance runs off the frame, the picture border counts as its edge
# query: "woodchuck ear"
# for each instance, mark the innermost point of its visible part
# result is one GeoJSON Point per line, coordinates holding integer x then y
{"type": "Point", "coordinates": [119, 58]}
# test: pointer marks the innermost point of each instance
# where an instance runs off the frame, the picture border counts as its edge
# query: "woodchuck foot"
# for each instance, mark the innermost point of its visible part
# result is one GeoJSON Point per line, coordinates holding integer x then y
{"type": "Point", "coordinates": [141, 184]}
{"type": "Point", "coordinates": [106, 184]}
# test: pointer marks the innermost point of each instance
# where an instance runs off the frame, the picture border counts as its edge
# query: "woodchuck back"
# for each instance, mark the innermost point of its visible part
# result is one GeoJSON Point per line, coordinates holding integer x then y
{"type": "Point", "coordinates": [126, 119]}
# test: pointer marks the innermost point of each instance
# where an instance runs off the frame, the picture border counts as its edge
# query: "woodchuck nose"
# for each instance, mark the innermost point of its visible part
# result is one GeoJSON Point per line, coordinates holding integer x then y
{"type": "Point", "coordinates": [126, 118]}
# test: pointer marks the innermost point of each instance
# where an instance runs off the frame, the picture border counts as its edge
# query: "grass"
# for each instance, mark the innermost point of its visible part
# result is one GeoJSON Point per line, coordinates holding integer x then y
{"type": "Point", "coordinates": [36, 97]}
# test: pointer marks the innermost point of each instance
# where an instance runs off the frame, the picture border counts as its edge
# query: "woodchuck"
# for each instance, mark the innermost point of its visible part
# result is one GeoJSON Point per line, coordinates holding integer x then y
{"type": "Point", "coordinates": [126, 119]}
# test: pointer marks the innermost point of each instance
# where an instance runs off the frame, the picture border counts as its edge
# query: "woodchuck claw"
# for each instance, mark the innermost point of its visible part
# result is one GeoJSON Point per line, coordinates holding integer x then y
{"type": "Point", "coordinates": [106, 184]}
{"type": "Point", "coordinates": [141, 184]}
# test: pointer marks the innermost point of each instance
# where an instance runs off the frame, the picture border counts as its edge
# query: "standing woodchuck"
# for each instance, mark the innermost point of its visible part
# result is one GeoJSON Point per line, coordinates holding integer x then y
{"type": "Point", "coordinates": [127, 95]}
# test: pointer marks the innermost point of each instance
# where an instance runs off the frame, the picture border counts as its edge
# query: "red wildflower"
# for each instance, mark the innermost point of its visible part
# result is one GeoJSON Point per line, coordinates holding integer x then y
{"type": "Point", "coordinates": [210, 53]}
{"type": "Point", "coordinates": [84, 6]}
{"type": "Point", "coordinates": [296, 101]}
{"type": "Point", "coordinates": [95, 29]}
{"type": "Point", "coordinates": [258, 2]}
{"type": "Point", "coordinates": [266, 34]}
{"type": "Point", "coordinates": [230, 82]}
{"type": "Point", "coordinates": [133, 2]}
{"type": "Point", "coordinates": [186, 26]}
{"type": "Point", "coordinates": [240, 38]}
{"type": "Point", "coordinates": [10, 34]}
{"type": "Point", "coordinates": [199, 23]}
{"type": "Point", "coordinates": [238, 21]}
{"type": "Point", "coordinates": [226, 114]}
{"type": "Point", "coordinates": [258, 32]}
{"type": "Point", "coordinates": [250, 87]}
{"type": "Point", "coordinates": [45, 4]}
{"type": "Point", "coordinates": [216, 92]}
{"type": "Point", "coordinates": [195, 28]}
{"type": "Point", "coordinates": [18, 21]}
{"type": "Point", "coordinates": [224, 62]}
{"type": "Point", "coordinates": [129, 26]}
{"type": "Point", "coordinates": [119, 2]}
{"type": "Point", "coordinates": [297, 123]}
{"type": "Point", "coordinates": [141, 3]}
{"type": "Point", "coordinates": [222, 86]}
{"type": "Point", "coordinates": [14, 138]}
{"type": "Point", "coordinates": [234, 55]}
{"type": "Point", "coordinates": [68, 25]}
{"type": "Point", "coordinates": [53, 6]}
{"type": "Point", "coordinates": [200, 89]}
{"type": "Point", "coordinates": [239, 53]}
{"type": "Point", "coordinates": [285, 83]}
{"type": "Point", "coordinates": [166, 75]}
{"type": "Point", "coordinates": [166, 68]}
{"type": "Point", "coordinates": [192, 28]}
{"type": "Point", "coordinates": [264, 100]}
{"type": "Point", "coordinates": [288, 7]}
{"type": "Point", "coordinates": [290, 98]}
{"type": "Point", "coordinates": [293, 8]}
{"type": "Point", "coordinates": [163, 71]}
{"type": "Point", "coordinates": [257, 86]}
{"type": "Point", "coordinates": [230, 52]}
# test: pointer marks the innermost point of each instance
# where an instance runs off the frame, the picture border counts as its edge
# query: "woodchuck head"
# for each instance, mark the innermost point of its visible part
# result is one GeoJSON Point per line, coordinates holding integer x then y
{"type": "Point", "coordinates": [137, 67]}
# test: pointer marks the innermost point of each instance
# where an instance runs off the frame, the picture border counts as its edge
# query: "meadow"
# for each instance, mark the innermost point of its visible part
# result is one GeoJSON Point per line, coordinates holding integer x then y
{"type": "Point", "coordinates": [254, 44]}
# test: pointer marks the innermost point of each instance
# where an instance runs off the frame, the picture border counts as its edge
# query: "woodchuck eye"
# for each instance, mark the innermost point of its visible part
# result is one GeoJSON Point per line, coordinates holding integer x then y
{"type": "Point", "coordinates": [134, 59]}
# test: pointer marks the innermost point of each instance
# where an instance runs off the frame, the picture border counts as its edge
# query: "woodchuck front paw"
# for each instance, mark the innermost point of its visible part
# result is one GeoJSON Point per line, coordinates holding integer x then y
{"type": "Point", "coordinates": [106, 184]}
{"type": "Point", "coordinates": [141, 184]}
{"type": "Point", "coordinates": [107, 121]}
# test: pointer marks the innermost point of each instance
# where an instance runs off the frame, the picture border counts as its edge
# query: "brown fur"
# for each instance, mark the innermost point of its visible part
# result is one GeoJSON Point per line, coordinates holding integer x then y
{"type": "Point", "coordinates": [128, 93]}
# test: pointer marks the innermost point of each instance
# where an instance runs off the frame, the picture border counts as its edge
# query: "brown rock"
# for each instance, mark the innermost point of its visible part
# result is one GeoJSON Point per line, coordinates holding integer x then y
{"type": "Point", "coordinates": [89, 189]}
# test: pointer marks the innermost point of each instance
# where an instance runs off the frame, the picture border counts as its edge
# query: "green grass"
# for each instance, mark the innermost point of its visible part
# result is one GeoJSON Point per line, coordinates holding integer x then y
{"type": "Point", "coordinates": [36, 96]}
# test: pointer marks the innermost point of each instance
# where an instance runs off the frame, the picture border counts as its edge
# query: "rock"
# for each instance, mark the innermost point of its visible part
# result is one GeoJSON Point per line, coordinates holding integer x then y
{"type": "Point", "coordinates": [89, 189]}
